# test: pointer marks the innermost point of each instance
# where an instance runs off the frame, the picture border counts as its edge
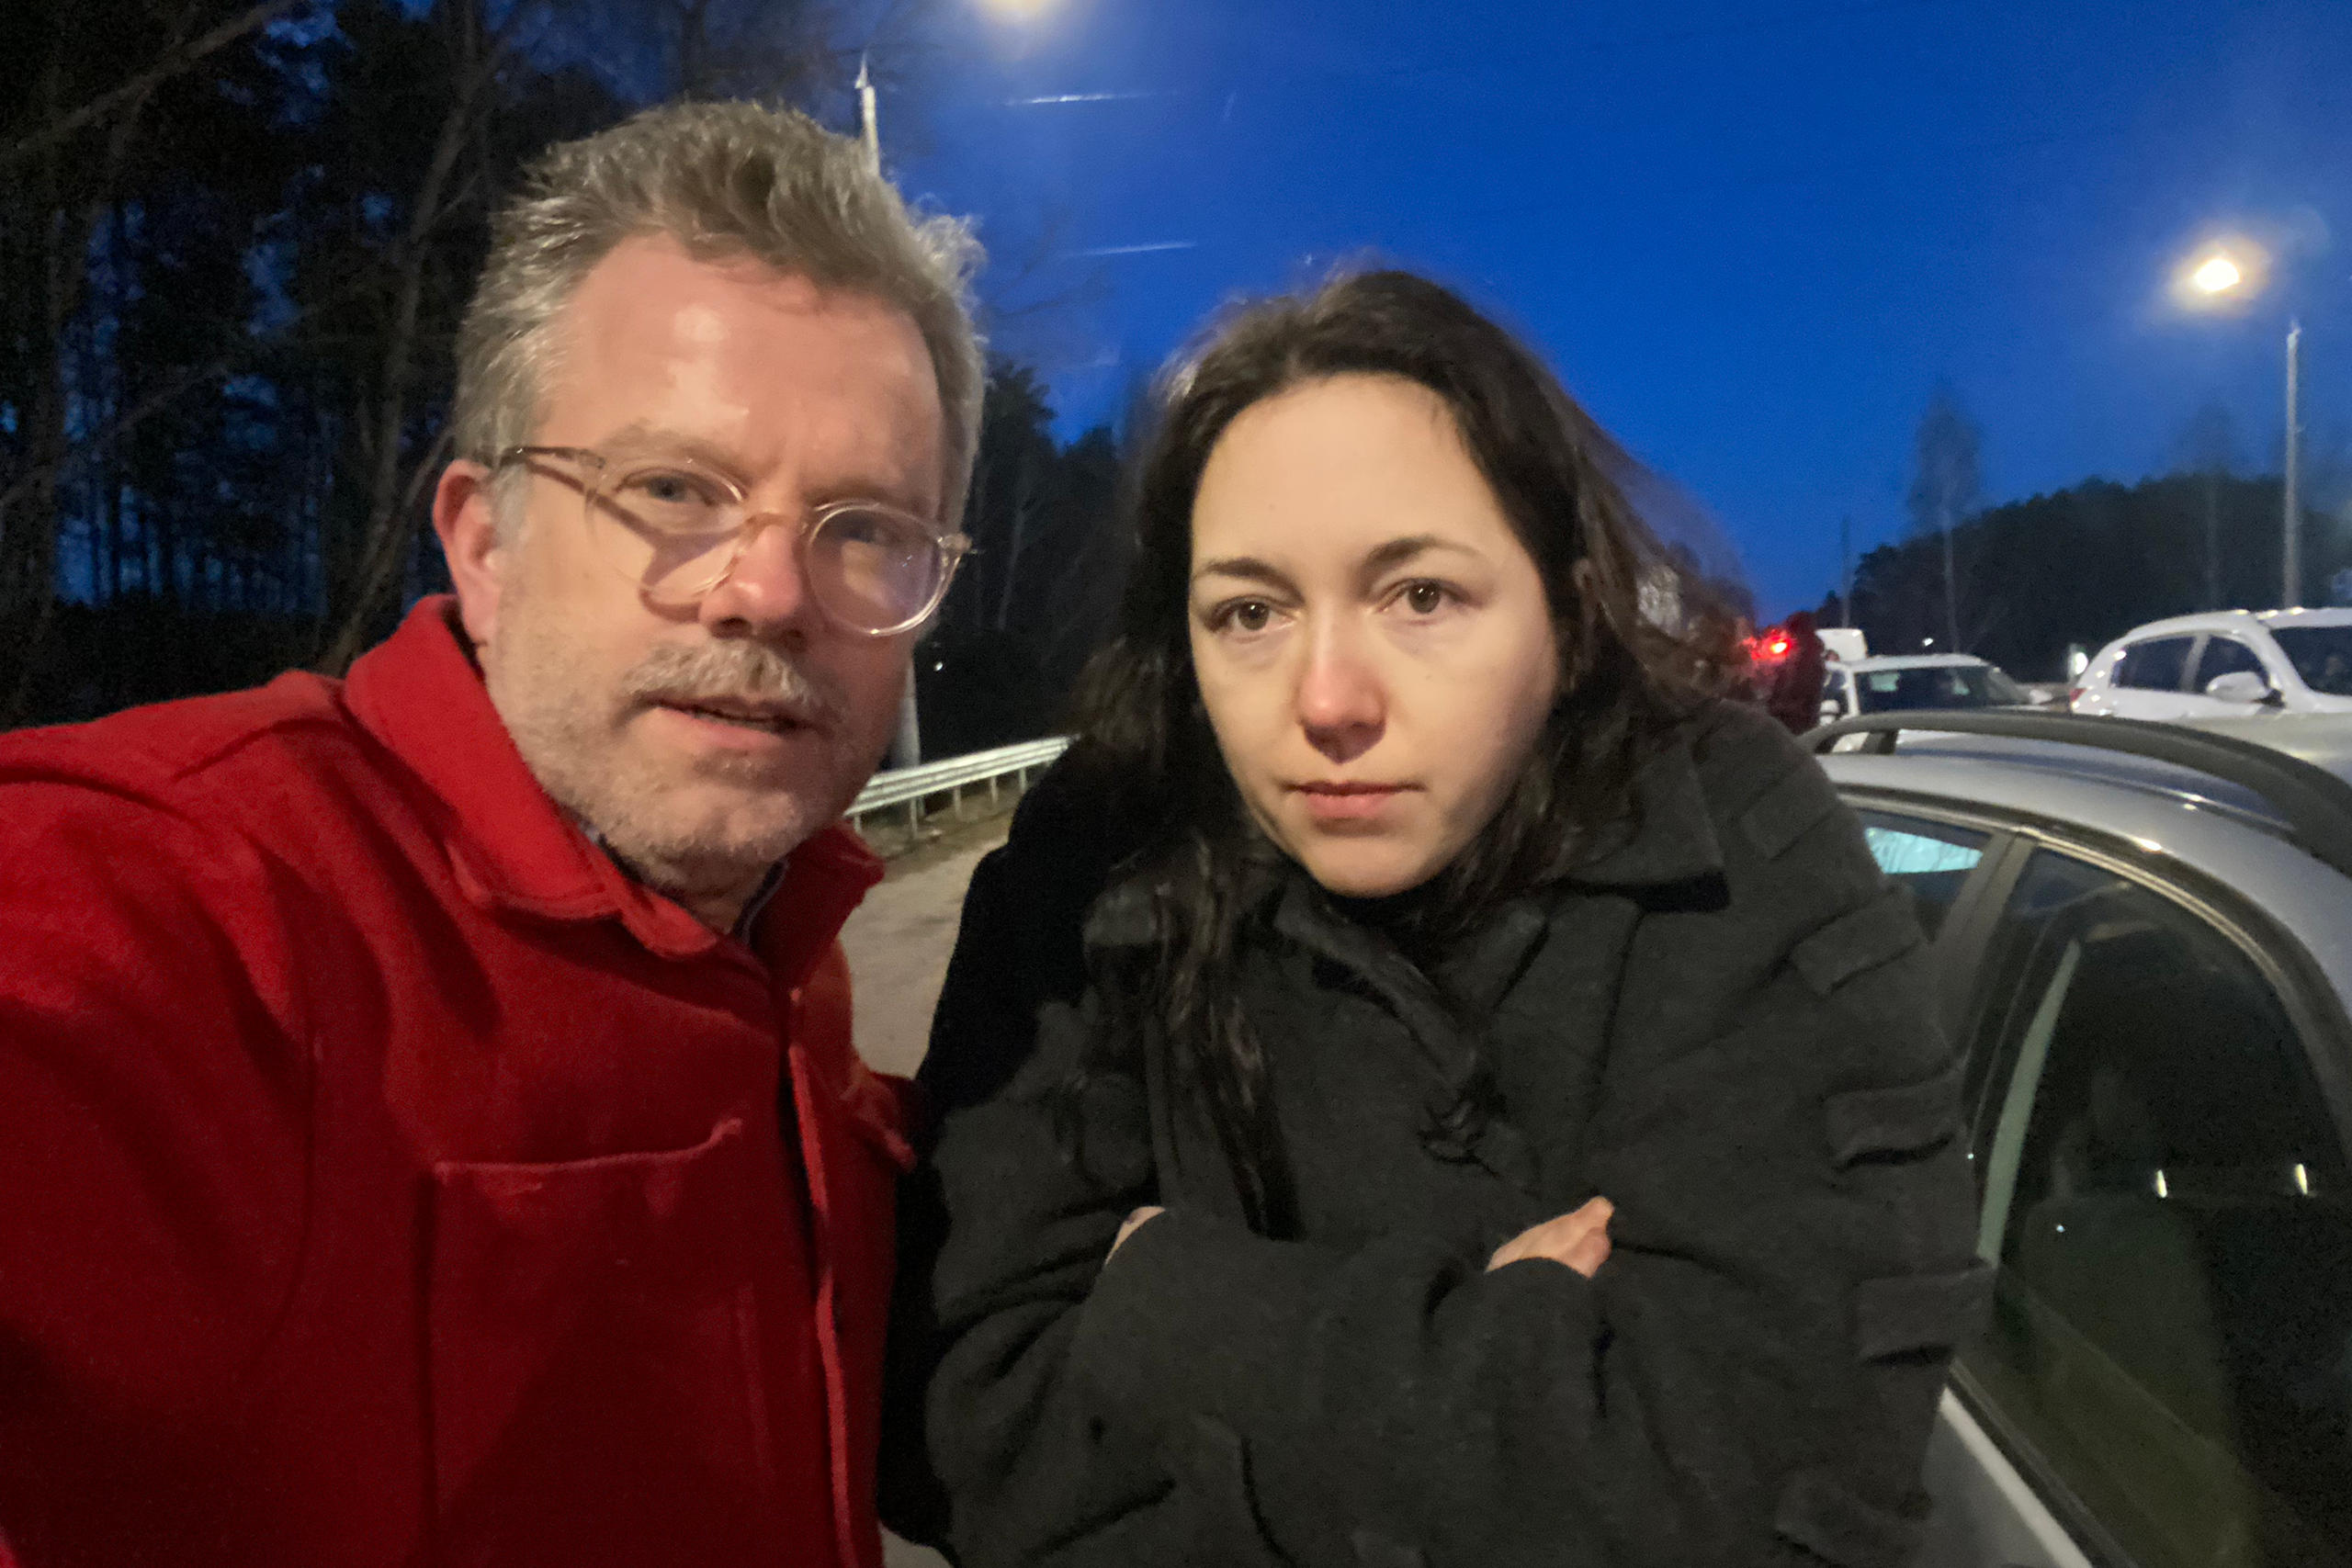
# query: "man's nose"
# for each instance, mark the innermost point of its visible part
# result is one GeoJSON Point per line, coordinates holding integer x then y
{"type": "Point", "coordinates": [1342, 699]}
{"type": "Point", "coordinates": [765, 593]}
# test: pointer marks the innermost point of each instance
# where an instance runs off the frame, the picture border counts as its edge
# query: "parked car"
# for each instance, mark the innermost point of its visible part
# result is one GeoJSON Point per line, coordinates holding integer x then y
{"type": "Point", "coordinates": [1905, 681]}
{"type": "Point", "coordinates": [2223, 663]}
{"type": "Point", "coordinates": [2143, 937]}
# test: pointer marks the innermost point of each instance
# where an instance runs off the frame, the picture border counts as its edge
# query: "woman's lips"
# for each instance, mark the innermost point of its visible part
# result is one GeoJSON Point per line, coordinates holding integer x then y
{"type": "Point", "coordinates": [1347, 802]}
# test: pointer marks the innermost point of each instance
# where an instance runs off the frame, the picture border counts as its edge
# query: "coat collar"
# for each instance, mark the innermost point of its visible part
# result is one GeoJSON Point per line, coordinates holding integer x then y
{"type": "Point", "coordinates": [1668, 838]}
{"type": "Point", "coordinates": [512, 847]}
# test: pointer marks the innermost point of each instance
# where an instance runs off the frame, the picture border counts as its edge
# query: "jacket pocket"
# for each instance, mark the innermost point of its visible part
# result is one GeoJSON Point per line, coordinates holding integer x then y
{"type": "Point", "coordinates": [1211, 1469]}
{"type": "Point", "coordinates": [592, 1352]}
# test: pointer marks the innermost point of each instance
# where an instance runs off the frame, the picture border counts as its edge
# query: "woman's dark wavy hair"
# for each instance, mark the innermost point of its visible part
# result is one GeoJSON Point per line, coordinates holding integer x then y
{"type": "Point", "coordinates": [1144, 740]}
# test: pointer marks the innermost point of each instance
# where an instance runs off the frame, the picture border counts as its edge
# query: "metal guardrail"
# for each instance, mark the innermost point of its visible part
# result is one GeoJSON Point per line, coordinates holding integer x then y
{"type": "Point", "coordinates": [911, 787]}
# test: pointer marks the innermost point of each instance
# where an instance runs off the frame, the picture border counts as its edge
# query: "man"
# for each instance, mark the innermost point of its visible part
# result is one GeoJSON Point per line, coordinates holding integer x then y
{"type": "Point", "coordinates": [1790, 685]}
{"type": "Point", "coordinates": [429, 1131]}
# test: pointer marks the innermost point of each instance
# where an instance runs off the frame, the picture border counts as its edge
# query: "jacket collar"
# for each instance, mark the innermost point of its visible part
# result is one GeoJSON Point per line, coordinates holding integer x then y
{"type": "Point", "coordinates": [1668, 838]}
{"type": "Point", "coordinates": [512, 847]}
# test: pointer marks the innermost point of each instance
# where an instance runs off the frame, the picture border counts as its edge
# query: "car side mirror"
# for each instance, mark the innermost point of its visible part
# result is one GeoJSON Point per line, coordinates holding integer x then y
{"type": "Point", "coordinates": [2240, 686]}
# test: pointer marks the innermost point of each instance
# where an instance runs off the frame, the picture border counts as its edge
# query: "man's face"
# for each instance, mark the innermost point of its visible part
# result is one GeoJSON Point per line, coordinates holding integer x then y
{"type": "Point", "coordinates": [703, 743]}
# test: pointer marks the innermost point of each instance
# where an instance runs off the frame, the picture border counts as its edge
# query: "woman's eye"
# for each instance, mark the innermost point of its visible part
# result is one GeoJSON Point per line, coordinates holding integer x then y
{"type": "Point", "coordinates": [1424, 598]}
{"type": "Point", "coordinates": [1250, 615]}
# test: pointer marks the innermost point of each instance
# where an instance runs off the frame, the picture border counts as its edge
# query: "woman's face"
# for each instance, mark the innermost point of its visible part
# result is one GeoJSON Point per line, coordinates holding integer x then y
{"type": "Point", "coordinates": [1372, 640]}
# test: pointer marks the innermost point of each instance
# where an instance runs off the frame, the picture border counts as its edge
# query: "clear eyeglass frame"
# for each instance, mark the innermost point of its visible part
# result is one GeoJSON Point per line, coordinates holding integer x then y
{"type": "Point", "coordinates": [631, 525]}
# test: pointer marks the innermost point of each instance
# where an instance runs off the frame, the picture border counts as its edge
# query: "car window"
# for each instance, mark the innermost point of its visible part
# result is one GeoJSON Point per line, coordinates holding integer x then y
{"type": "Point", "coordinates": [2321, 655]}
{"type": "Point", "coordinates": [2227, 656]}
{"type": "Point", "coordinates": [2153, 666]}
{"type": "Point", "coordinates": [2168, 1204]}
{"type": "Point", "coordinates": [1928, 858]}
{"type": "Point", "coordinates": [1927, 686]}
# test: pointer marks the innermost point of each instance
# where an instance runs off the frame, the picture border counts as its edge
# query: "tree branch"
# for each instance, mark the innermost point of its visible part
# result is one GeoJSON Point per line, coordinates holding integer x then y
{"type": "Point", "coordinates": [174, 62]}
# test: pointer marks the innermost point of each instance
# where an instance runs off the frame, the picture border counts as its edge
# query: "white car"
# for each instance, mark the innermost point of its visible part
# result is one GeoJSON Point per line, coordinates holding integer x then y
{"type": "Point", "coordinates": [1903, 681]}
{"type": "Point", "coordinates": [2224, 664]}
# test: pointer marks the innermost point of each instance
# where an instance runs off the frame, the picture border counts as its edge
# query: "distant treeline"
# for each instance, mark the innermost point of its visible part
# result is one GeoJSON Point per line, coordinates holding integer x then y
{"type": "Point", "coordinates": [235, 239]}
{"type": "Point", "coordinates": [2088, 564]}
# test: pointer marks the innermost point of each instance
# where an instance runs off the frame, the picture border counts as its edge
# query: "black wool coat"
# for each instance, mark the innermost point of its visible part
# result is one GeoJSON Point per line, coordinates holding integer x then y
{"type": "Point", "coordinates": [1719, 1019]}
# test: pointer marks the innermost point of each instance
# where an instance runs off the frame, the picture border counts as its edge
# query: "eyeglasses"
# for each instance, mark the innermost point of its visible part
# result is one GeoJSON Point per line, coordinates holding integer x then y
{"type": "Point", "coordinates": [677, 529]}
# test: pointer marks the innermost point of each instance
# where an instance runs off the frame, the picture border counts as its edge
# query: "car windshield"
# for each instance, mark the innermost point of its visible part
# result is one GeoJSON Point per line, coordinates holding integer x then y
{"type": "Point", "coordinates": [1937, 687]}
{"type": "Point", "coordinates": [2321, 655]}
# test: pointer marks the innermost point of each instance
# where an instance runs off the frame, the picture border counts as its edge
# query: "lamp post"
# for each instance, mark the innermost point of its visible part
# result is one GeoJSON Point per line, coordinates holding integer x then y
{"type": "Point", "coordinates": [2224, 273]}
{"type": "Point", "coordinates": [905, 746]}
{"type": "Point", "coordinates": [2291, 560]}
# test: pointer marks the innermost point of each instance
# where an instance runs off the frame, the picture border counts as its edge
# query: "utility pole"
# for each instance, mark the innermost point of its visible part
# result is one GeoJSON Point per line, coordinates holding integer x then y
{"type": "Point", "coordinates": [906, 747]}
{"type": "Point", "coordinates": [2291, 544]}
{"type": "Point", "coordinates": [1951, 587]}
{"type": "Point", "coordinates": [1846, 571]}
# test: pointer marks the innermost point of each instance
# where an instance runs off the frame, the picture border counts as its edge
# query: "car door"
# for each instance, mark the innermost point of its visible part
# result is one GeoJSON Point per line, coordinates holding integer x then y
{"type": "Point", "coordinates": [2220, 654]}
{"type": "Point", "coordinates": [2149, 677]}
{"type": "Point", "coordinates": [2166, 1379]}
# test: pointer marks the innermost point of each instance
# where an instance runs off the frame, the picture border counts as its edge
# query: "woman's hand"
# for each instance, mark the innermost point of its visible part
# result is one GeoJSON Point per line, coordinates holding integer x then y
{"type": "Point", "coordinates": [1135, 1222]}
{"type": "Point", "coordinates": [1580, 1239]}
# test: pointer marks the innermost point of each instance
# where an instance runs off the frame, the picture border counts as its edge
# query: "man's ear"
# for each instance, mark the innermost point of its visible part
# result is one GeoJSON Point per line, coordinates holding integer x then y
{"type": "Point", "coordinates": [465, 515]}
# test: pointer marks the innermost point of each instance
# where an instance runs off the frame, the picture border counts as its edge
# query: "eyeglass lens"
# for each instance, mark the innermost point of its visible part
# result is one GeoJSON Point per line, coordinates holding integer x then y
{"type": "Point", "coordinates": [673, 530]}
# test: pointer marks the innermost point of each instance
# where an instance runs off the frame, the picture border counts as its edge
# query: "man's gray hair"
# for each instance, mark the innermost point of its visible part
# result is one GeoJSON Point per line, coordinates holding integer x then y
{"type": "Point", "coordinates": [724, 180]}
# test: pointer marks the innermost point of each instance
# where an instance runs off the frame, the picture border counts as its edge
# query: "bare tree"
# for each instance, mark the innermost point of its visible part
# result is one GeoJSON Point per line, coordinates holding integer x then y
{"type": "Point", "coordinates": [1944, 487]}
{"type": "Point", "coordinates": [62, 177]}
{"type": "Point", "coordinates": [478, 43]}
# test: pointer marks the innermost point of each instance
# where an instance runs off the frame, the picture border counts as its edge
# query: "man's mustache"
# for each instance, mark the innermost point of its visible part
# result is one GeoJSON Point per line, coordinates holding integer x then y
{"type": "Point", "coordinates": [742, 672]}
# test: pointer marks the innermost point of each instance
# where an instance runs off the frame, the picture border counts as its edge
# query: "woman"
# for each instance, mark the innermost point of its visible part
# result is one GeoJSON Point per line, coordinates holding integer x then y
{"type": "Point", "coordinates": [1426, 1082]}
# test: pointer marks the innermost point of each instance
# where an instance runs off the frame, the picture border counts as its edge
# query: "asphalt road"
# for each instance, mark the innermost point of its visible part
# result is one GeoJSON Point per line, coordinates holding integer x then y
{"type": "Point", "coordinates": [898, 943]}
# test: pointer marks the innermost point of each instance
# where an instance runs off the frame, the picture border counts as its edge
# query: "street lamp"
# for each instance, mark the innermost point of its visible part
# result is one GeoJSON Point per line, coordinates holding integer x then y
{"type": "Point", "coordinates": [905, 744]}
{"type": "Point", "coordinates": [2216, 275]}
{"type": "Point", "coordinates": [2232, 272]}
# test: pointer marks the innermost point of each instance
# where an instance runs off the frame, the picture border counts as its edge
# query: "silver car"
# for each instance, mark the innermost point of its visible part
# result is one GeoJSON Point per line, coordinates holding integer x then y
{"type": "Point", "coordinates": [2144, 937]}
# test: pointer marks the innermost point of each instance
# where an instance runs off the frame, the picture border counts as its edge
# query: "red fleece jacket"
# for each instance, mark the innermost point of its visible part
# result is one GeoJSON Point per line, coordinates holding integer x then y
{"type": "Point", "coordinates": [386, 1179]}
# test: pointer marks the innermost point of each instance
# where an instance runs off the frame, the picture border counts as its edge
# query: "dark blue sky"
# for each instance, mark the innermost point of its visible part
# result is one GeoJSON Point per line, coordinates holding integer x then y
{"type": "Point", "coordinates": [1752, 235]}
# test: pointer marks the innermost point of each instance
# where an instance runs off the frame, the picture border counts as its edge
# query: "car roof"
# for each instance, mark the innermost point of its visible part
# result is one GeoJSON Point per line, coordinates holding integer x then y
{"type": "Point", "coordinates": [1915, 661]}
{"type": "Point", "coordinates": [2323, 739]}
{"type": "Point", "coordinates": [2236, 621]}
{"type": "Point", "coordinates": [2226, 830]}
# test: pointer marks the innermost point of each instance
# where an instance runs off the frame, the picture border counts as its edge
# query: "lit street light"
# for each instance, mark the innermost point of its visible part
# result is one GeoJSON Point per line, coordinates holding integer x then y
{"type": "Point", "coordinates": [2232, 272]}
{"type": "Point", "coordinates": [2216, 275]}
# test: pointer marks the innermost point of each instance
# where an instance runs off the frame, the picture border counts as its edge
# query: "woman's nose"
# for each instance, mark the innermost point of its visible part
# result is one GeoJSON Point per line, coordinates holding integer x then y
{"type": "Point", "coordinates": [1343, 705]}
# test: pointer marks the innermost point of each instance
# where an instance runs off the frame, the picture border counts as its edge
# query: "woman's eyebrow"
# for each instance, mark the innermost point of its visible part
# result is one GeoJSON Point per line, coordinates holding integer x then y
{"type": "Point", "coordinates": [1396, 552]}
{"type": "Point", "coordinates": [1248, 568]}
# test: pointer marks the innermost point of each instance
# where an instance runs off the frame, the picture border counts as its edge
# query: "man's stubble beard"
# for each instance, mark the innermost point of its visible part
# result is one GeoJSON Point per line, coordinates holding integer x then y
{"type": "Point", "coordinates": [571, 732]}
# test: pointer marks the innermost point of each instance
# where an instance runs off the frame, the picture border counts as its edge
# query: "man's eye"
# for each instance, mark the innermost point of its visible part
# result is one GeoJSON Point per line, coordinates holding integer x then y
{"type": "Point", "coordinates": [673, 495]}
